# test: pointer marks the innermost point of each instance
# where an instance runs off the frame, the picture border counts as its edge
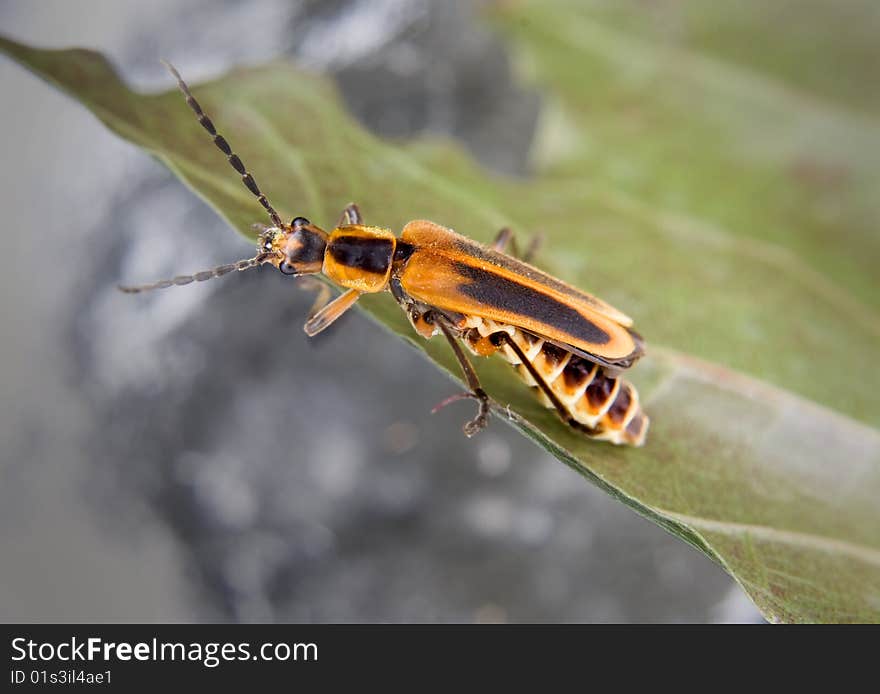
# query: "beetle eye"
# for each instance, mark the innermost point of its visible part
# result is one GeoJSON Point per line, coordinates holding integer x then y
{"type": "Point", "coordinates": [287, 268]}
{"type": "Point", "coordinates": [299, 222]}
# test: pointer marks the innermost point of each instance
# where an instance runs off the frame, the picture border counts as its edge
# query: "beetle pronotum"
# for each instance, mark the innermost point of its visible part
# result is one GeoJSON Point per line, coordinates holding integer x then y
{"type": "Point", "coordinates": [565, 344]}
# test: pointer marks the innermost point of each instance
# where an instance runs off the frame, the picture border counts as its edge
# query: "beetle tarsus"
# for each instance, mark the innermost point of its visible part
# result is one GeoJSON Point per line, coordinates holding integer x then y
{"type": "Point", "coordinates": [350, 215]}
{"type": "Point", "coordinates": [478, 423]}
{"type": "Point", "coordinates": [481, 421]}
{"type": "Point", "coordinates": [506, 238]}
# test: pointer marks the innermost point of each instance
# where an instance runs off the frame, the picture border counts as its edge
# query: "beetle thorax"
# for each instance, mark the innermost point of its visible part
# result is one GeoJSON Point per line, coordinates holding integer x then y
{"type": "Point", "coordinates": [359, 257]}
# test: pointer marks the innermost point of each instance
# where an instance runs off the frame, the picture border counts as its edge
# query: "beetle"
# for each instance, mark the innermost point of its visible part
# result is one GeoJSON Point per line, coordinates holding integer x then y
{"type": "Point", "coordinates": [567, 345]}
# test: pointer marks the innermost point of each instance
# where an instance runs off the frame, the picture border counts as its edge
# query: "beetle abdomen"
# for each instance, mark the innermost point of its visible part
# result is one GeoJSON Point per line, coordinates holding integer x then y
{"type": "Point", "coordinates": [604, 407]}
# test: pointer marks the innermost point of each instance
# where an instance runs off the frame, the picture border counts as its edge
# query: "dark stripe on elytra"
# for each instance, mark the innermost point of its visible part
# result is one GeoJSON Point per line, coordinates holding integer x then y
{"type": "Point", "coordinates": [501, 293]}
{"type": "Point", "coordinates": [369, 255]}
{"type": "Point", "coordinates": [475, 250]}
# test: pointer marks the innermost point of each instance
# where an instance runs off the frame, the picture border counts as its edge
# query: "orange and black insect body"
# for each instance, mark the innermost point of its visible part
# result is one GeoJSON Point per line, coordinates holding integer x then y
{"type": "Point", "coordinates": [567, 345]}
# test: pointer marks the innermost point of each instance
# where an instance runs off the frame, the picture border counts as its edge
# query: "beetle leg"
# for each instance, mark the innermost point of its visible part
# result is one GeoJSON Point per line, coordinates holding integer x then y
{"type": "Point", "coordinates": [534, 246]}
{"type": "Point", "coordinates": [350, 215]}
{"type": "Point", "coordinates": [323, 290]}
{"type": "Point", "coordinates": [539, 379]}
{"type": "Point", "coordinates": [479, 422]}
{"type": "Point", "coordinates": [329, 313]}
{"type": "Point", "coordinates": [505, 237]}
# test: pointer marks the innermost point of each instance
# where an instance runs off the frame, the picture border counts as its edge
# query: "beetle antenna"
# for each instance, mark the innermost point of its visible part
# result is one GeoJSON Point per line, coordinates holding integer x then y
{"type": "Point", "coordinates": [223, 146]}
{"type": "Point", "coordinates": [180, 280]}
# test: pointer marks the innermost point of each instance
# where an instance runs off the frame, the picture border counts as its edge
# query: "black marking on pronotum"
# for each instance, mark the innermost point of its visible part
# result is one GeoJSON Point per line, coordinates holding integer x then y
{"type": "Point", "coordinates": [369, 255]}
{"type": "Point", "coordinates": [507, 295]}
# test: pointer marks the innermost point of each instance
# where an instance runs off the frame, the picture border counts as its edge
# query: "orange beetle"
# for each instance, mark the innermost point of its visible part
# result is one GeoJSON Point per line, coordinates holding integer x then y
{"type": "Point", "coordinates": [569, 346]}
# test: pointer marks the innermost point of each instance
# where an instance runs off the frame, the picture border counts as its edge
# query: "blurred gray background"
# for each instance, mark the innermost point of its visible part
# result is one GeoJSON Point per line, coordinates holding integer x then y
{"type": "Point", "coordinates": [191, 455]}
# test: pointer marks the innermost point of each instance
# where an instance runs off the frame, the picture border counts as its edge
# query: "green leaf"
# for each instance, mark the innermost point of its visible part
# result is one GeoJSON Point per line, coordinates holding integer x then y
{"type": "Point", "coordinates": [780, 490]}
